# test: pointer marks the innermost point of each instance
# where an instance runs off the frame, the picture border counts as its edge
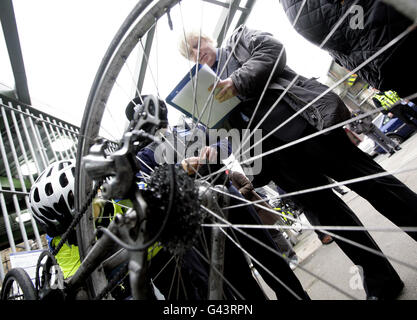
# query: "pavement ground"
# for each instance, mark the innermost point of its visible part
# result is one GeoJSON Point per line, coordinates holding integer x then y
{"type": "Point", "coordinates": [330, 273]}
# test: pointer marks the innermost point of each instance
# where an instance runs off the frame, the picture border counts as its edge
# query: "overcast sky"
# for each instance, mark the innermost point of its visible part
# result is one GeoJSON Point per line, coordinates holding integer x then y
{"type": "Point", "coordinates": [63, 43]}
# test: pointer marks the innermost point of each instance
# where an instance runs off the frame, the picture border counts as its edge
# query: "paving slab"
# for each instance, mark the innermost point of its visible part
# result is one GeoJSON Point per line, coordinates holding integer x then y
{"type": "Point", "coordinates": [325, 271]}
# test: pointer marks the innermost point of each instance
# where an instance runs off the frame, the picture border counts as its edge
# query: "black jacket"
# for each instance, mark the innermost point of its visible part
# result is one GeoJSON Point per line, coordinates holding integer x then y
{"type": "Point", "coordinates": [351, 46]}
{"type": "Point", "coordinates": [249, 67]}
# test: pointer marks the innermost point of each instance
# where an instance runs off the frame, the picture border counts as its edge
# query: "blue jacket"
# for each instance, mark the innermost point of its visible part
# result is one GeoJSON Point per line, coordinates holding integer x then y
{"type": "Point", "coordinates": [147, 154]}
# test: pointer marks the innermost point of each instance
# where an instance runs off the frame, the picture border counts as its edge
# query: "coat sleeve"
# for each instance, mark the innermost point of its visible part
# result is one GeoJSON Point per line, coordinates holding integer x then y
{"type": "Point", "coordinates": [223, 148]}
{"type": "Point", "coordinates": [147, 162]}
{"type": "Point", "coordinates": [263, 51]}
{"type": "Point", "coordinates": [241, 183]}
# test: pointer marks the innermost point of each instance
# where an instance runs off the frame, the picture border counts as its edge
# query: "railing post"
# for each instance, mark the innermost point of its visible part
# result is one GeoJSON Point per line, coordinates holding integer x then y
{"type": "Point", "coordinates": [19, 174]}
{"type": "Point", "coordinates": [14, 196]}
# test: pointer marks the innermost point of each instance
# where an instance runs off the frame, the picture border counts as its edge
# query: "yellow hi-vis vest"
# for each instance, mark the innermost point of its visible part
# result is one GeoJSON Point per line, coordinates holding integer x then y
{"type": "Point", "coordinates": [393, 96]}
{"type": "Point", "coordinates": [352, 79]}
{"type": "Point", "coordinates": [120, 207]}
{"type": "Point", "coordinates": [388, 99]}
{"type": "Point", "coordinates": [68, 256]}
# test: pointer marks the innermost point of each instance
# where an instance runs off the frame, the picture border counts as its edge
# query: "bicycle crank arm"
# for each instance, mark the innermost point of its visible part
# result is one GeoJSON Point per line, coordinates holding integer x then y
{"type": "Point", "coordinates": [94, 258]}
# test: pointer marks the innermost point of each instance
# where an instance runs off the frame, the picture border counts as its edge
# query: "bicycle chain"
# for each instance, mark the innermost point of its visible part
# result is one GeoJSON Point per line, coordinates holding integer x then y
{"type": "Point", "coordinates": [187, 223]}
{"type": "Point", "coordinates": [77, 218]}
{"type": "Point", "coordinates": [182, 227]}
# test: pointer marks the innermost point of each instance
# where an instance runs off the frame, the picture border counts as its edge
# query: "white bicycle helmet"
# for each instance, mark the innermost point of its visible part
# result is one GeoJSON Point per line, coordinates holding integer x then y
{"type": "Point", "coordinates": [52, 197]}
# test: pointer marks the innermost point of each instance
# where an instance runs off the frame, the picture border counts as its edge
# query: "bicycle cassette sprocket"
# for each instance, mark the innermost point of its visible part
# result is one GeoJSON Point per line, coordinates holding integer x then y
{"type": "Point", "coordinates": [182, 225]}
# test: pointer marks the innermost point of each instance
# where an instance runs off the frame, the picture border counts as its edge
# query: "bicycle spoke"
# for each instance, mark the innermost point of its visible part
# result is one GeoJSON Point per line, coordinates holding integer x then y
{"type": "Point", "coordinates": [242, 154]}
{"type": "Point", "coordinates": [220, 274]}
{"type": "Point", "coordinates": [295, 142]}
{"type": "Point", "coordinates": [277, 254]}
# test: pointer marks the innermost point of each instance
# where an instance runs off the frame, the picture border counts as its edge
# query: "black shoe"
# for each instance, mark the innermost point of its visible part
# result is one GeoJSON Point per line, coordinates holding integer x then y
{"type": "Point", "coordinates": [398, 148]}
{"type": "Point", "coordinates": [392, 293]}
{"type": "Point", "coordinates": [326, 239]}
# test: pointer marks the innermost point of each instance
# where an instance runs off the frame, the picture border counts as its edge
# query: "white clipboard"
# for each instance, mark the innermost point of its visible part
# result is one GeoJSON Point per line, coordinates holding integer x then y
{"type": "Point", "coordinates": [209, 111]}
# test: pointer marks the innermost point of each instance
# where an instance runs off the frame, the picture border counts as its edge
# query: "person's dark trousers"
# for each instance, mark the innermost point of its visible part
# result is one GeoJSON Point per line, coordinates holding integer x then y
{"type": "Point", "coordinates": [406, 114]}
{"type": "Point", "coordinates": [183, 277]}
{"type": "Point", "coordinates": [238, 277]}
{"type": "Point", "coordinates": [307, 165]}
{"type": "Point", "coordinates": [314, 221]}
{"type": "Point", "coordinates": [186, 276]}
{"type": "Point", "coordinates": [399, 72]}
{"type": "Point", "coordinates": [269, 258]}
{"type": "Point", "coordinates": [283, 245]}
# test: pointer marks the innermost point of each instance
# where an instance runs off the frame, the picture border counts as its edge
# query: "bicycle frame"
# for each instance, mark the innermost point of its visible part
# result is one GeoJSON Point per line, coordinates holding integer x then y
{"type": "Point", "coordinates": [121, 166]}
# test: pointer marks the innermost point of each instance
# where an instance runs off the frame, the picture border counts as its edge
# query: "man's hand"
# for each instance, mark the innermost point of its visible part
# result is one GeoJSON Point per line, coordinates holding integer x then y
{"type": "Point", "coordinates": [224, 90]}
{"type": "Point", "coordinates": [192, 164]}
{"type": "Point", "coordinates": [208, 155]}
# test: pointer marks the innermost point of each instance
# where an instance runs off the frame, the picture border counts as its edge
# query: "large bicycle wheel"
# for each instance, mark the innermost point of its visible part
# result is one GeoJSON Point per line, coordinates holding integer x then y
{"type": "Point", "coordinates": [132, 30]}
{"type": "Point", "coordinates": [114, 86]}
{"type": "Point", "coordinates": [17, 286]}
{"type": "Point", "coordinates": [115, 63]}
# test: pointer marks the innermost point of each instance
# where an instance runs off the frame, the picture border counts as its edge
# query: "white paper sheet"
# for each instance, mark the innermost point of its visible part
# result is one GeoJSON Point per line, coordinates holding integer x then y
{"type": "Point", "coordinates": [210, 112]}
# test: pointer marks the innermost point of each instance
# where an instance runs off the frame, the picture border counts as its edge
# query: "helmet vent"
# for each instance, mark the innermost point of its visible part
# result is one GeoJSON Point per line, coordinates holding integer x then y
{"type": "Point", "coordinates": [48, 213]}
{"type": "Point", "coordinates": [70, 199]}
{"type": "Point", "coordinates": [63, 181]}
{"type": "Point", "coordinates": [62, 165]}
{"type": "Point", "coordinates": [36, 195]}
{"type": "Point", "coordinates": [62, 208]}
{"type": "Point", "coordinates": [48, 189]}
{"type": "Point", "coordinates": [151, 108]}
{"type": "Point", "coordinates": [50, 171]}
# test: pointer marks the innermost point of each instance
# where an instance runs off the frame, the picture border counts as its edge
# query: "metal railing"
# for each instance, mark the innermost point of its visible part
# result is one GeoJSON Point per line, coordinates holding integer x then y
{"type": "Point", "coordinates": [29, 141]}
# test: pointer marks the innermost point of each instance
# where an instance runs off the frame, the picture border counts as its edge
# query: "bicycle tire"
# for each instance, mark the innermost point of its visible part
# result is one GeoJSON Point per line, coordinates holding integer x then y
{"type": "Point", "coordinates": [22, 279]}
{"type": "Point", "coordinates": [122, 45]}
{"type": "Point", "coordinates": [396, 137]}
{"type": "Point", "coordinates": [128, 35]}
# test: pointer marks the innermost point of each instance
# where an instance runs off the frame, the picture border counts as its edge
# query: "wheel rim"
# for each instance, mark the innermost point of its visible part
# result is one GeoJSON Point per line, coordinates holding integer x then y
{"type": "Point", "coordinates": [18, 286]}
{"type": "Point", "coordinates": [396, 139]}
{"type": "Point", "coordinates": [95, 110]}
